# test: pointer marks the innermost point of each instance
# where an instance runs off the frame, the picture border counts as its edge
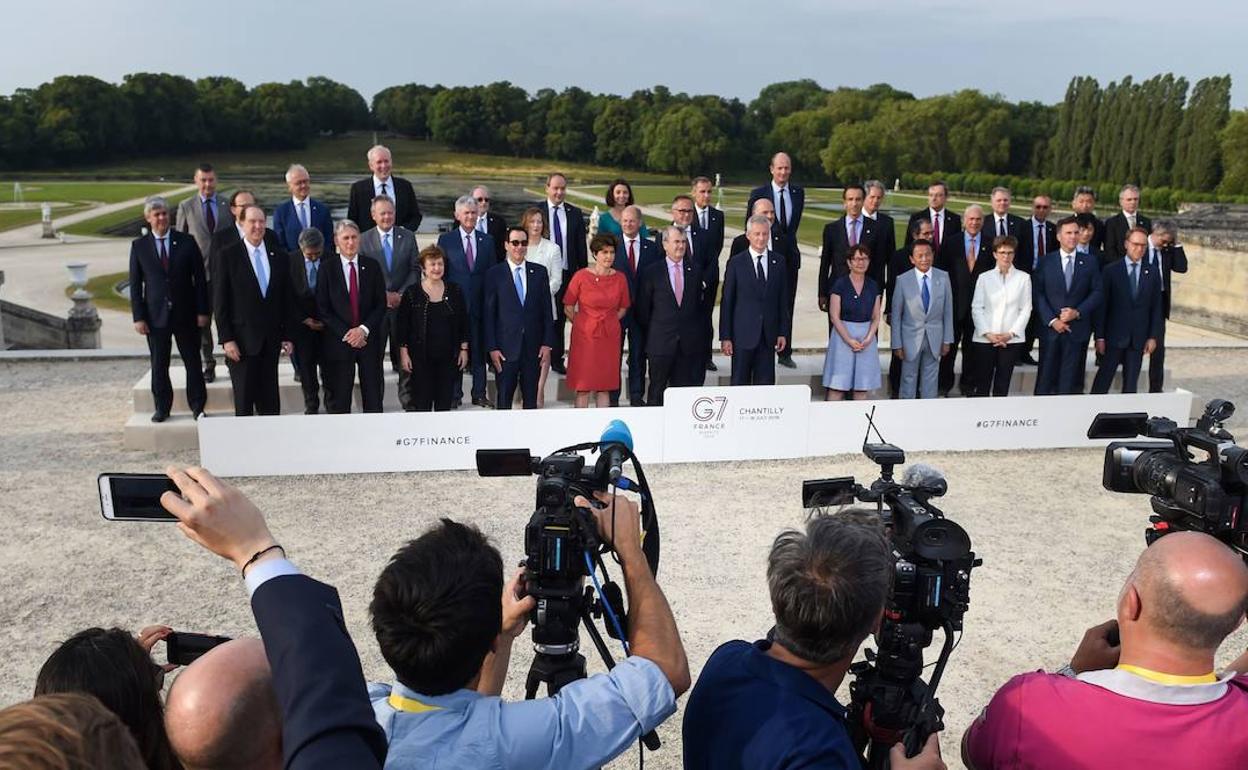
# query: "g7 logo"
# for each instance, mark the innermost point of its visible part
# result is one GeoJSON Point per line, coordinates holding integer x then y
{"type": "Point", "coordinates": [710, 408]}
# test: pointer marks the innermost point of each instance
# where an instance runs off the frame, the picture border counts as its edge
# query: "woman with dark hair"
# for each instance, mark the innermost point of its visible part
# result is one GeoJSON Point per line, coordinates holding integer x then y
{"type": "Point", "coordinates": [118, 670]}
{"type": "Point", "coordinates": [619, 197]}
{"type": "Point", "coordinates": [852, 364]}
{"type": "Point", "coordinates": [596, 300]}
{"type": "Point", "coordinates": [432, 329]}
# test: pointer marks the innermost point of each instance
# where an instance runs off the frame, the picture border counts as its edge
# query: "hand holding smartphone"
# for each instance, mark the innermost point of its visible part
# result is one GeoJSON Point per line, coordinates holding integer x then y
{"type": "Point", "coordinates": [135, 496]}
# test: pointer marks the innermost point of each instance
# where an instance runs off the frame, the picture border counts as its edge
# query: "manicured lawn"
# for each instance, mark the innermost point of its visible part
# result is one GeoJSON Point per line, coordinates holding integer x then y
{"type": "Point", "coordinates": [76, 196]}
{"type": "Point", "coordinates": [100, 225]}
{"type": "Point", "coordinates": [101, 287]}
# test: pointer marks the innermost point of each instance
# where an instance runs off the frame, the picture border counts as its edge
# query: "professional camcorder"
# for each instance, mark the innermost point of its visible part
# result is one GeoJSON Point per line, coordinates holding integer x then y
{"type": "Point", "coordinates": [889, 701]}
{"type": "Point", "coordinates": [1198, 477]}
{"type": "Point", "coordinates": [562, 548]}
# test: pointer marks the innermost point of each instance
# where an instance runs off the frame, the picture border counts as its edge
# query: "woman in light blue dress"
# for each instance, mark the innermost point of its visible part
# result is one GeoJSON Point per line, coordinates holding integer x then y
{"type": "Point", "coordinates": [852, 364]}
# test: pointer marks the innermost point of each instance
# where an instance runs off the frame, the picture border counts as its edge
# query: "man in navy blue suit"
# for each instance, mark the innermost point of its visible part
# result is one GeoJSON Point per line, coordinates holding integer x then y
{"type": "Point", "coordinates": [1129, 322]}
{"type": "Point", "coordinates": [351, 300]}
{"type": "Point", "coordinates": [699, 250]}
{"type": "Point", "coordinates": [1067, 292]}
{"type": "Point", "coordinates": [754, 323]}
{"type": "Point", "coordinates": [789, 200]}
{"type": "Point", "coordinates": [469, 256]}
{"type": "Point", "coordinates": [300, 212]}
{"type": "Point", "coordinates": [632, 255]}
{"type": "Point", "coordinates": [169, 301]}
{"type": "Point", "coordinates": [519, 323]}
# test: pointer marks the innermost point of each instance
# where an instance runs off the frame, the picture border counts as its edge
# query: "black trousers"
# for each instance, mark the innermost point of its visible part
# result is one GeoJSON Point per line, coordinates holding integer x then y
{"type": "Point", "coordinates": [708, 328]}
{"type": "Point", "coordinates": [1131, 360]}
{"type": "Point", "coordinates": [636, 361]}
{"type": "Point", "coordinates": [160, 346]}
{"type": "Point", "coordinates": [994, 368]}
{"type": "Point", "coordinates": [254, 380]}
{"type": "Point", "coordinates": [391, 329]}
{"type": "Point", "coordinates": [754, 366]}
{"type": "Point", "coordinates": [523, 372]}
{"type": "Point", "coordinates": [308, 359]}
{"type": "Point", "coordinates": [794, 265]}
{"type": "Point", "coordinates": [1157, 363]}
{"type": "Point", "coordinates": [341, 364]}
{"type": "Point", "coordinates": [684, 369]}
{"type": "Point", "coordinates": [894, 376]}
{"type": "Point", "coordinates": [963, 333]}
{"type": "Point", "coordinates": [433, 384]}
{"type": "Point", "coordinates": [561, 320]}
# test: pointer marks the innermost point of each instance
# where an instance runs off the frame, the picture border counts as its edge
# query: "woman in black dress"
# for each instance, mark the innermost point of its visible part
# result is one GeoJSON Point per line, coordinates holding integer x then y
{"type": "Point", "coordinates": [433, 334]}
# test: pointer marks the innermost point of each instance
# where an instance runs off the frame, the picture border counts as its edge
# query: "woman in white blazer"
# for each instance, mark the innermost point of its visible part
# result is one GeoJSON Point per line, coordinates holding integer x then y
{"type": "Point", "coordinates": [1000, 309]}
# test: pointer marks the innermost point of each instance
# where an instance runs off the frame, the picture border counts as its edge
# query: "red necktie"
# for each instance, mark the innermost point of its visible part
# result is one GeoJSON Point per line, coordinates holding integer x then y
{"type": "Point", "coordinates": [164, 255]}
{"type": "Point", "coordinates": [632, 256]}
{"type": "Point", "coordinates": [936, 232]}
{"type": "Point", "coordinates": [353, 288]}
{"type": "Point", "coordinates": [1041, 252]}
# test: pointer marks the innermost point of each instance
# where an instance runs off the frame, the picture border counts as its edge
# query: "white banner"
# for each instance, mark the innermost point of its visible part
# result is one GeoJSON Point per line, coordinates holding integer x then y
{"type": "Point", "coordinates": [694, 424]}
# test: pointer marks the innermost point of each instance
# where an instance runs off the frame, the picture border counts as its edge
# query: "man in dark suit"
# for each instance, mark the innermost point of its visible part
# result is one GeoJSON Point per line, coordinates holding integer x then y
{"type": "Point", "coordinates": [633, 254]}
{"type": "Point", "coordinates": [351, 298]}
{"type": "Point", "coordinates": [699, 249]}
{"type": "Point", "coordinates": [308, 354]}
{"type": "Point", "coordinates": [789, 201]}
{"type": "Point", "coordinates": [299, 213]}
{"type": "Point", "coordinates": [1084, 202]}
{"type": "Point", "coordinates": [898, 264]}
{"type": "Point", "coordinates": [1165, 256]}
{"type": "Point", "coordinates": [489, 223]}
{"type": "Point", "coordinates": [1129, 322]}
{"type": "Point", "coordinates": [327, 721]}
{"type": "Point", "coordinates": [201, 215]}
{"type": "Point", "coordinates": [1002, 222]}
{"type": "Point", "coordinates": [885, 233]}
{"type": "Point", "coordinates": [840, 235]}
{"type": "Point", "coordinates": [975, 256]}
{"type": "Point", "coordinates": [251, 300]}
{"type": "Point", "coordinates": [1117, 226]}
{"type": "Point", "coordinates": [226, 237]}
{"type": "Point", "coordinates": [754, 323]}
{"type": "Point", "coordinates": [1038, 236]}
{"type": "Point", "coordinates": [1066, 288]}
{"type": "Point", "coordinates": [169, 302]}
{"type": "Point", "coordinates": [945, 224]}
{"type": "Point", "coordinates": [710, 222]}
{"type": "Point", "coordinates": [469, 257]}
{"type": "Point", "coordinates": [671, 294]}
{"type": "Point", "coordinates": [779, 243]}
{"type": "Point", "coordinates": [395, 250]}
{"type": "Point", "coordinates": [566, 225]}
{"type": "Point", "coordinates": [407, 210]}
{"type": "Point", "coordinates": [518, 321]}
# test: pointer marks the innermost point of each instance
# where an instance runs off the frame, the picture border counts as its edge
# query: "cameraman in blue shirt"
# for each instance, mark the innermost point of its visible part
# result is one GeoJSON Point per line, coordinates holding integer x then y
{"type": "Point", "coordinates": [771, 704]}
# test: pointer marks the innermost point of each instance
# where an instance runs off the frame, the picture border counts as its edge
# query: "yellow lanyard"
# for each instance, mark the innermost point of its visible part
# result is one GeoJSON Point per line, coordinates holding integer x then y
{"type": "Point", "coordinates": [1157, 676]}
{"type": "Point", "coordinates": [410, 705]}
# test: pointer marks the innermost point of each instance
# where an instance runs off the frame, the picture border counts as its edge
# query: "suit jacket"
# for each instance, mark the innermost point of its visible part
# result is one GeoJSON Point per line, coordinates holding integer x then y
{"type": "Point", "coordinates": [1025, 257]}
{"type": "Point", "coordinates": [1173, 260]}
{"type": "Point", "coordinates": [832, 264]}
{"type": "Point", "coordinates": [287, 226]}
{"type": "Point", "coordinates": [302, 296]}
{"type": "Point", "coordinates": [700, 251]}
{"type": "Point", "coordinates": [333, 302]}
{"type": "Point", "coordinates": [1113, 249]}
{"type": "Point", "coordinates": [962, 277]}
{"type": "Point", "coordinates": [950, 236]}
{"type": "Point", "coordinates": [406, 209]}
{"type": "Point", "coordinates": [190, 219]}
{"type": "Point", "coordinates": [243, 316]}
{"type": "Point", "coordinates": [796, 194]}
{"type": "Point", "coordinates": [752, 313]}
{"type": "Point", "coordinates": [898, 264]}
{"type": "Point", "coordinates": [647, 254]}
{"type": "Point", "coordinates": [172, 299]}
{"type": "Point", "coordinates": [1124, 321]}
{"type": "Point", "coordinates": [496, 228]}
{"type": "Point", "coordinates": [1014, 225]}
{"type": "Point", "coordinates": [327, 719]}
{"type": "Point", "coordinates": [224, 238]}
{"type": "Point", "coordinates": [714, 229]}
{"type": "Point", "coordinates": [885, 246]}
{"type": "Point", "coordinates": [912, 326]}
{"type": "Point", "coordinates": [672, 328]}
{"type": "Point", "coordinates": [1049, 293]}
{"type": "Point", "coordinates": [405, 256]}
{"type": "Point", "coordinates": [510, 326]}
{"type": "Point", "coordinates": [472, 283]}
{"type": "Point", "coordinates": [576, 238]}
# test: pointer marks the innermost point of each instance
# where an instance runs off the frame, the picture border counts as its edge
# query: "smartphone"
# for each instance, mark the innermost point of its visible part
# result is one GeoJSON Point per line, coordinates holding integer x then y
{"type": "Point", "coordinates": [135, 496]}
{"type": "Point", "coordinates": [183, 648]}
{"type": "Point", "coordinates": [505, 462]}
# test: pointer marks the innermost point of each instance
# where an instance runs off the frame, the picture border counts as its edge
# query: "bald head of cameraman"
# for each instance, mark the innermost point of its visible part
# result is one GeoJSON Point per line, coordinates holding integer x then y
{"type": "Point", "coordinates": [772, 703]}
{"type": "Point", "coordinates": [1154, 700]}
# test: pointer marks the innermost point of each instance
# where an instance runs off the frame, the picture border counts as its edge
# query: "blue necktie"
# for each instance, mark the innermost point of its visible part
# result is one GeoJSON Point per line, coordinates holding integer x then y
{"type": "Point", "coordinates": [927, 295]}
{"type": "Point", "coordinates": [1069, 271]}
{"type": "Point", "coordinates": [303, 214]}
{"type": "Point", "coordinates": [386, 247]}
{"type": "Point", "coordinates": [519, 284]}
{"type": "Point", "coordinates": [1135, 280]}
{"type": "Point", "coordinates": [557, 229]}
{"type": "Point", "coordinates": [312, 275]}
{"type": "Point", "coordinates": [262, 271]}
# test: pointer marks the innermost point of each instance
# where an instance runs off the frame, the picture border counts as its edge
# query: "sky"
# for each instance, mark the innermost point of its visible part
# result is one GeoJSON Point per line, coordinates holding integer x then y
{"type": "Point", "coordinates": [1023, 51]}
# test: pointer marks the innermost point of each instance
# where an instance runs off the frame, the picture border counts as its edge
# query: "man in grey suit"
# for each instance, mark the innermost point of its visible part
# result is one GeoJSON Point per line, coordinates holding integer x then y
{"type": "Point", "coordinates": [201, 215]}
{"type": "Point", "coordinates": [395, 250]}
{"type": "Point", "coordinates": [922, 322]}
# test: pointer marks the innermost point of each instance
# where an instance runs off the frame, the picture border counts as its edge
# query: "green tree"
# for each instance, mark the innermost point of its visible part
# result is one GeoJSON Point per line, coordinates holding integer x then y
{"type": "Point", "coordinates": [405, 109]}
{"type": "Point", "coordinates": [278, 115]}
{"type": "Point", "coordinates": [617, 138]}
{"type": "Point", "coordinates": [335, 107]}
{"type": "Point", "coordinates": [570, 126]}
{"type": "Point", "coordinates": [165, 112]}
{"type": "Point", "coordinates": [83, 118]}
{"type": "Point", "coordinates": [1234, 144]}
{"type": "Point", "coordinates": [686, 141]}
{"type": "Point", "coordinates": [1198, 153]}
{"type": "Point", "coordinates": [223, 104]}
{"type": "Point", "coordinates": [862, 150]}
{"type": "Point", "coordinates": [455, 118]}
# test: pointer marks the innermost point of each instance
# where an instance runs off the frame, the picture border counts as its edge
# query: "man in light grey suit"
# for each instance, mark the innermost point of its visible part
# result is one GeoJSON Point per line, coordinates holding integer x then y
{"type": "Point", "coordinates": [395, 250]}
{"type": "Point", "coordinates": [201, 215]}
{"type": "Point", "coordinates": [922, 322]}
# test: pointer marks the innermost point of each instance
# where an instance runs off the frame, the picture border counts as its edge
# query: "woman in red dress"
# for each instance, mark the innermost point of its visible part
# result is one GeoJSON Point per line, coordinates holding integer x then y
{"type": "Point", "coordinates": [596, 299]}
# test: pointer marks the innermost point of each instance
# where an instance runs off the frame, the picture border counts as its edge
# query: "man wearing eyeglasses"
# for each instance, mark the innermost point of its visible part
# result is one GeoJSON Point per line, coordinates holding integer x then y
{"type": "Point", "coordinates": [1037, 238]}
{"type": "Point", "coordinates": [699, 252]}
{"type": "Point", "coordinates": [519, 321]}
{"type": "Point", "coordinates": [489, 223]}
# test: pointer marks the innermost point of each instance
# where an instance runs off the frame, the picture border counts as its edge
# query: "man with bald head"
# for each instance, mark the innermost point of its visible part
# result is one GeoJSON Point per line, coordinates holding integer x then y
{"type": "Point", "coordinates": [221, 712]}
{"type": "Point", "coordinates": [1151, 700]}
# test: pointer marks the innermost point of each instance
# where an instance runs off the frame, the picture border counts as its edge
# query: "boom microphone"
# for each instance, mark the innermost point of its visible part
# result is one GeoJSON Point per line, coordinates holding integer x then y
{"type": "Point", "coordinates": [925, 479]}
{"type": "Point", "coordinates": [615, 434]}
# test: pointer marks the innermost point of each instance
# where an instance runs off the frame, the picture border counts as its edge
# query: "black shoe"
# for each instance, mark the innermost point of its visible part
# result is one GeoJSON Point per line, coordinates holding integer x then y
{"type": "Point", "coordinates": [160, 416]}
{"type": "Point", "coordinates": [711, 367]}
{"type": "Point", "coordinates": [483, 401]}
{"type": "Point", "coordinates": [298, 376]}
{"type": "Point", "coordinates": [1028, 360]}
{"type": "Point", "coordinates": [457, 403]}
{"type": "Point", "coordinates": [210, 374]}
{"type": "Point", "coordinates": [787, 362]}
{"type": "Point", "coordinates": [311, 410]}
{"type": "Point", "coordinates": [195, 415]}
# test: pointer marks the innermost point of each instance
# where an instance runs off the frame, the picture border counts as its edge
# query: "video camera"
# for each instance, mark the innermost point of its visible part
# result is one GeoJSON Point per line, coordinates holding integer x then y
{"type": "Point", "coordinates": [1205, 494]}
{"type": "Point", "coordinates": [562, 548]}
{"type": "Point", "coordinates": [889, 701]}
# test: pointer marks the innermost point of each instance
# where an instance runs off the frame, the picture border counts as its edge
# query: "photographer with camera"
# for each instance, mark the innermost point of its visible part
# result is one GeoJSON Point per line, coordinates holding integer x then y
{"type": "Point", "coordinates": [1151, 701]}
{"type": "Point", "coordinates": [441, 626]}
{"type": "Point", "coordinates": [772, 703]}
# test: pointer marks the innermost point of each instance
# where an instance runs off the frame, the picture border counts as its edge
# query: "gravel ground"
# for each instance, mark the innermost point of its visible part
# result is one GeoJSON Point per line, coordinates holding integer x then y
{"type": "Point", "coordinates": [1053, 564]}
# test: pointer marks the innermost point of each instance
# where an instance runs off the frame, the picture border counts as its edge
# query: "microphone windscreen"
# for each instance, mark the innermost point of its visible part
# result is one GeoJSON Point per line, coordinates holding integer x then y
{"type": "Point", "coordinates": [617, 431]}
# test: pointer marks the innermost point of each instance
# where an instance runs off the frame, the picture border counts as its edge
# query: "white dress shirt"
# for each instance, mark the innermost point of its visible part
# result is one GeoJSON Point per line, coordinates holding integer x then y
{"type": "Point", "coordinates": [389, 183]}
{"type": "Point", "coordinates": [1002, 304]}
{"type": "Point", "coordinates": [782, 192]}
{"type": "Point", "coordinates": [702, 216]}
{"type": "Point", "coordinates": [754, 263]}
